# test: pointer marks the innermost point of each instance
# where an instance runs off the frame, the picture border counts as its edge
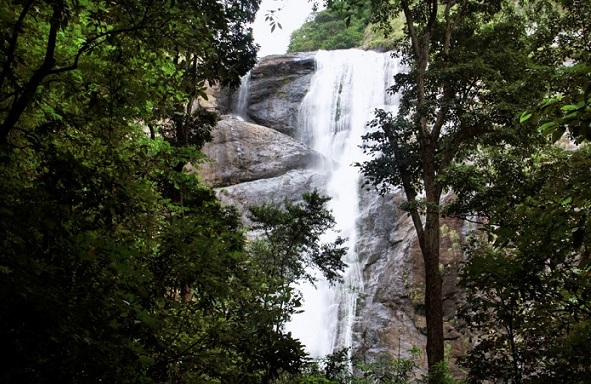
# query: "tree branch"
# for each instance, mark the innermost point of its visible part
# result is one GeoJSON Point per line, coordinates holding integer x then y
{"type": "Point", "coordinates": [447, 92]}
{"type": "Point", "coordinates": [46, 69]}
{"type": "Point", "coordinates": [411, 28]}
{"type": "Point", "coordinates": [13, 40]}
{"type": "Point", "coordinates": [409, 190]}
{"type": "Point", "coordinates": [29, 90]}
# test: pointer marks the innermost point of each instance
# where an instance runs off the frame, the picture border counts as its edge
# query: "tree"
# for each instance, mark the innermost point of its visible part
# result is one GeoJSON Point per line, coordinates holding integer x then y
{"type": "Point", "coordinates": [466, 83]}
{"type": "Point", "coordinates": [292, 234]}
{"type": "Point", "coordinates": [327, 30]}
{"type": "Point", "coordinates": [289, 247]}
{"type": "Point", "coordinates": [144, 53]}
{"type": "Point", "coordinates": [528, 288]}
{"type": "Point", "coordinates": [102, 226]}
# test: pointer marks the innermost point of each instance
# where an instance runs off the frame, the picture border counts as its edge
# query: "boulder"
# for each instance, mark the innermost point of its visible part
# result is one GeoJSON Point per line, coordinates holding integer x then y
{"type": "Point", "coordinates": [241, 152]}
{"type": "Point", "coordinates": [289, 186]}
{"type": "Point", "coordinates": [277, 86]}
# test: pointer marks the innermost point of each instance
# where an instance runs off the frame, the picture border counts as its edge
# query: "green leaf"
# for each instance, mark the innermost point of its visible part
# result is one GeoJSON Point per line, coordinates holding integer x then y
{"type": "Point", "coordinates": [546, 128]}
{"type": "Point", "coordinates": [525, 116]}
{"type": "Point", "coordinates": [569, 107]}
{"type": "Point", "coordinates": [566, 201]}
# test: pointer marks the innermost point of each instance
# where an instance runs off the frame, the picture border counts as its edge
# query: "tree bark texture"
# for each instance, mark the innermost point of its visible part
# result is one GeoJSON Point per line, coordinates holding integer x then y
{"type": "Point", "coordinates": [429, 232]}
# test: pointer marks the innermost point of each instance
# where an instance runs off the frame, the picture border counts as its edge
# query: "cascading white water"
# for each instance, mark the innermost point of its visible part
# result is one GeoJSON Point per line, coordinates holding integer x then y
{"type": "Point", "coordinates": [345, 89]}
{"type": "Point", "coordinates": [241, 107]}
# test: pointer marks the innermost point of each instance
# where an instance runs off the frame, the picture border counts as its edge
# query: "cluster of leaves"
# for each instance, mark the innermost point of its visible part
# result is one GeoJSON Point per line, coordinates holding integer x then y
{"type": "Point", "coordinates": [117, 264]}
{"type": "Point", "coordinates": [328, 31]}
{"type": "Point", "coordinates": [294, 231]}
{"type": "Point", "coordinates": [567, 107]}
{"type": "Point", "coordinates": [142, 56]}
{"type": "Point", "coordinates": [339, 368]}
{"type": "Point", "coordinates": [529, 288]}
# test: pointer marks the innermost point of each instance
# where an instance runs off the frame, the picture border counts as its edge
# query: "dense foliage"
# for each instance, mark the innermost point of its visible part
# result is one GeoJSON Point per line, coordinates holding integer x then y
{"type": "Point", "coordinates": [328, 31]}
{"type": "Point", "coordinates": [116, 264]}
{"type": "Point", "coordinates": [473, 68]}
{"type": "Point", "coordinates": [464, 87]}
{"type": "Point", "coordinates": [289, 239]}
{"type": "Point", "coordinates": [527, 284]}
{"type": "Point", "coordinates": [339, 368]}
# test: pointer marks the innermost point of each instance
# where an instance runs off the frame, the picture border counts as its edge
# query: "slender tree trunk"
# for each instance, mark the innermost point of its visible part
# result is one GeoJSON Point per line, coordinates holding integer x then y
{"type": "Point", "coordinates": [433, 297]}
{"type": "Point", "coordinates": [430, 249]}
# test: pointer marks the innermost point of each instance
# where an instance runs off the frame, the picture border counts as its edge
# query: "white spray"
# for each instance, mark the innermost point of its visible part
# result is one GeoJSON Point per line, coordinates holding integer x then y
{"type": "Point", "coordinates": [345, 90]}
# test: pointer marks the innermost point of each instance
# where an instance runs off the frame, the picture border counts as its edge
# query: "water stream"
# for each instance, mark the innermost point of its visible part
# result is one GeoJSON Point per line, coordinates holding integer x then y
{"type": "Point", "coordinates": [347, 86]}
{"type": "Point", "coordinates": [241, 106]}
{"type": "Point", "coordinates": [344, 91]}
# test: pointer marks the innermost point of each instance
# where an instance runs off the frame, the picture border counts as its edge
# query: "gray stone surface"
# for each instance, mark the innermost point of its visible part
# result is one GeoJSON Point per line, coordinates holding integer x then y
{"type": "Point", "coordinates": [277, 86]}
{"type": "Point", "coordinates": [289, 186]}
{"type": "Point", "coordinates": [387, 320]}
{"type": "Point", "coordinates": [242, 151]}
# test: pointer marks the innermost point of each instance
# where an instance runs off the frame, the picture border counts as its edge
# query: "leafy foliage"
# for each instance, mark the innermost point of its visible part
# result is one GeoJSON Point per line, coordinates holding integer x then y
{"type": "Point", "coordinates": [328, 31]}
{"type": "Point", "coordinates": [527, 282]}
{"type": "Point", "coordinates": [338, 368]}
{"type": "Point", "coordinates": [117, 264]}
{"type": "Point", "coordinates": [142, 55]}
{"type": "Point", "coordinates": [531, 288]}
{"type": "Point", "coordinates": [292, 239]}
{"type": "Point", "coordinates": [567, 106]}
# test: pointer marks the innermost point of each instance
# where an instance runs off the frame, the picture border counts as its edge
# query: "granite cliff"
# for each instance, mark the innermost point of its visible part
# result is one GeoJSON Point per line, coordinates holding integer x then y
{"type": "Point", "coordinates": [262, 160]}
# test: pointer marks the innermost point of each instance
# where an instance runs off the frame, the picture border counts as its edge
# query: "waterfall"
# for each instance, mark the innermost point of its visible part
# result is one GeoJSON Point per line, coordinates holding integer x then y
{"type": "Point", "coordinates": [345, 89]}
{"type": "Point", "coordinates": [241, 106]}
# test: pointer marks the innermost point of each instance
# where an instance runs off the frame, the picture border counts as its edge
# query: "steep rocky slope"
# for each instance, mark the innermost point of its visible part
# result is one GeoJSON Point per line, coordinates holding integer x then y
{"type": "Point", "coordinates": [253, 164]}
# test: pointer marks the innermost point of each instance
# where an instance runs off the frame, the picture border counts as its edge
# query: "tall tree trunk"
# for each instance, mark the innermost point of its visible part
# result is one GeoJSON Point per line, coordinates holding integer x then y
{"type": "Point", "coordinates": [433, 297]}
{"type": "Point", "coordinates": [430, 250]}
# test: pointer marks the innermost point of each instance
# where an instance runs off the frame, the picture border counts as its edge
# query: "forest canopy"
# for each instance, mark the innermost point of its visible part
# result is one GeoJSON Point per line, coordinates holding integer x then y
{"type": "Point", "coordinates": [327, 30]}
{"type": "Point", "coordinates": [117, 264]}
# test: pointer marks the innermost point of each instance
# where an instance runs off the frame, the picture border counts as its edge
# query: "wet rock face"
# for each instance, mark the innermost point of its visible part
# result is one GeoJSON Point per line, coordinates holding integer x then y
{"type": "Point", "coordinates": [255, 164]}
{"type": "Point", "coordinates": [391, 309]}
{"type": "Point", "coordinates": [289, 186]}
{"type": "Point", "coordinates": [241, 152]}
{"type": "Point", "coordinates": [386, 312]}
{"type": "Point", "coordinates": [277, 86]}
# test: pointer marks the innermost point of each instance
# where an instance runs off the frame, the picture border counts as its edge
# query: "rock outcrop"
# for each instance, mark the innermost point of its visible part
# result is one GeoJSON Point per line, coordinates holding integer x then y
{"type": "Point", "coordinates": [392, 308]}
{"type": "Point", "coordinates": [276, 88]}
{"type": "Point", "coordinates": [254, 164]}
{"type": "Point", "coordinates": [242, 152]}
{"type": "Point", "coordinates": [386, 310]}
{"type": "Point", "coordinates": [289, 186]}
